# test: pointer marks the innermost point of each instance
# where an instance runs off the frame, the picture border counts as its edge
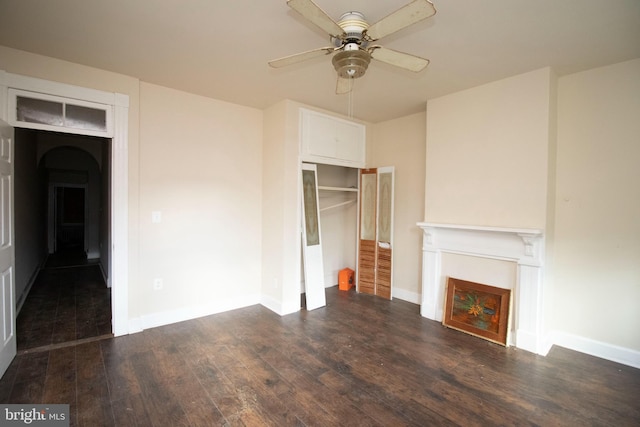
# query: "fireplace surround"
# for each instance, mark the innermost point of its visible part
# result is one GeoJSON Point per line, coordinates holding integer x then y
{"type": "Point", "coordinates": [522, 246]}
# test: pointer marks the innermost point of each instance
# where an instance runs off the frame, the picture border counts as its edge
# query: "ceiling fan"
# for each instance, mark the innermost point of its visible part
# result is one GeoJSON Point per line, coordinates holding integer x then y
{"type": "Point", "coordinates": [352, 38]}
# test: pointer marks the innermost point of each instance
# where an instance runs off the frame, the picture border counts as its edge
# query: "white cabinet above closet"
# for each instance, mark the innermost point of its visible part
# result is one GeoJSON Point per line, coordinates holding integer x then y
{"type": "Point", "coordinates": [331, 140]}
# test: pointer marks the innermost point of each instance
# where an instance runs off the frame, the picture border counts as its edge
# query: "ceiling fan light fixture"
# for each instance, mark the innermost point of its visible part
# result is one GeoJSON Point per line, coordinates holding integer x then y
{"type": "Point", "coordinates": [351, 64]}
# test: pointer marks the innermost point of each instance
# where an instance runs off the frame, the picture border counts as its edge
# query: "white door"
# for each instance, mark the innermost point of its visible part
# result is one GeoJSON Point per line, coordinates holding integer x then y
{"type": "Point", "coordinates": [311, 240]}
{"type": "Point", "coordinates": [7, 253]}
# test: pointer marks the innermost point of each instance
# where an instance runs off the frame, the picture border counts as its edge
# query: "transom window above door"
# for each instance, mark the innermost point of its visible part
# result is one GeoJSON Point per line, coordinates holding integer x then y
{"type": "Point", "coordinates": [55, 113]}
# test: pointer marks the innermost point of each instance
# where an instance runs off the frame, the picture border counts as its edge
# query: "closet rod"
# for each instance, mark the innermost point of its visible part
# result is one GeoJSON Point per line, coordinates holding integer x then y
{"type": "Point", "coordinates": [338, 205]}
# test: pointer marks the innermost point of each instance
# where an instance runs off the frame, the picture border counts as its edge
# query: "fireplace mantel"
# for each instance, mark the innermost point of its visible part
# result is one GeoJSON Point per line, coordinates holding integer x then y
{"type": "Point", "coordinates": [523, 246]}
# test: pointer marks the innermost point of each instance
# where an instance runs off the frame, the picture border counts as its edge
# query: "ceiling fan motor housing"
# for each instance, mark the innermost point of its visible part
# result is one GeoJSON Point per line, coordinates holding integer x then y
{"type": "Point", "coordinates": [353, 24]}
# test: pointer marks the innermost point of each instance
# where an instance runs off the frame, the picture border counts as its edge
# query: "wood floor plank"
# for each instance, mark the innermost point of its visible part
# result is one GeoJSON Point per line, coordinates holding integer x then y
{"type": "Point", "coordinates": [120, 374]}
{"type": "Point", "coordinates": [386, 389]}
{"type": "Point", "coordinates": [162, 405]}
{"type": "Point", "coordinates": [241, 399]}
{"type": "Point", "coordinates": [302, 361]}
{"type": "Point", "coordinates": [272, 391]}
{"type": "Point", "coordinates": [201, 411]}
{"type": "Point", "coordinates": [28, 383]}
{"type": "Point", "coordinates": [60, 381]}
{"type": "Point", "coordinates": [130, 411]}
{"type": "Point", "coordinates": [176, 374]}
{"type": "Point", "coordinates": [93, 399]}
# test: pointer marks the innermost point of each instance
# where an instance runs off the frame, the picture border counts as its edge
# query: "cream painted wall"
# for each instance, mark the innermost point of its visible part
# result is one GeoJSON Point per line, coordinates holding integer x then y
{"type": "Point", "coordinates": [201, 167]}
{"type": "Point", "coordinates": [401, 143]}
{"type": "Point", "coordinates": [597, 245]}
{"type": "Point", "coordinates": [272, 210]}
{"type": "Point", "coordinates": [486, 159]}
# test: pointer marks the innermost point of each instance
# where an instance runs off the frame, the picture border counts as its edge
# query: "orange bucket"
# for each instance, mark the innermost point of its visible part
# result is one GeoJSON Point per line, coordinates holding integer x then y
{"type": "Point", "coordinates": [345, 279]}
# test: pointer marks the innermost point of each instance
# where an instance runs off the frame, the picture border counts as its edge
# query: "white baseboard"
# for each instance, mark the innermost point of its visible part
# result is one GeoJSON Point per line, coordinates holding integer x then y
{"type": "Point", "coordinates": [278, 307]}
{"type": "Point", "coordinates": [135, 326]}
{"type": "Point", "coordinates": [614, 353]}
{"type": "Point", "coordinates": [104, 275]}
{"type": "Point", "coordinates": [271, 303]}
{"type": "Point", "coordinates": [405, 295]}
{"type": "Point", "coordinates": [331, 280]}
{"type": "Point", "coordinates": [173, 316]}
{"type": "Point", "coordinates": [525, 340]}
{"type": "Point", "coordinates": [23, 296]}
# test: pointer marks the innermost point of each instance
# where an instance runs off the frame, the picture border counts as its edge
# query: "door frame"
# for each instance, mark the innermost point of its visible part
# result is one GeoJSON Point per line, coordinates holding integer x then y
{"type": "Point", "coordinates": [118, 131]}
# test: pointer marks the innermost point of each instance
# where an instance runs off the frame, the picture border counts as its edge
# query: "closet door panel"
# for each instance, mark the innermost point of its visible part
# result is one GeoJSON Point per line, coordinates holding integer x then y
{"type": "Point", "coordinates": [368, 228]}
{"type": "Point", "coordinates": [383, 273]}
{"type": "Point", "coordinates": [311, 240]}
{"type": "Point", "coordinates": [367, 267]}
{"type": "Point", "coordinates": [385, 232]}
{"type": "Point", "coordinates": [375, 252]}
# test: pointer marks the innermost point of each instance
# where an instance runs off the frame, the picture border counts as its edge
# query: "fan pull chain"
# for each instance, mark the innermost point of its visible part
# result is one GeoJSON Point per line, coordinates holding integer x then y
{"type": "Point", "coordinates": [350, 105]}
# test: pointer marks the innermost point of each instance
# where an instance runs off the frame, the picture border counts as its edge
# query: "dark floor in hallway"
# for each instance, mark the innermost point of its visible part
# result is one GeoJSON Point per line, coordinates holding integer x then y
{"type": "Point", "coordinates": [68, 301]}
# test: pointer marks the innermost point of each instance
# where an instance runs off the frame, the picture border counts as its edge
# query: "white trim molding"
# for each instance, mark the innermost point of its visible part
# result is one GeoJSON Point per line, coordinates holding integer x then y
{"type": "Point", "coordinates": [119, 259]}
{"type": "Point", "coordinates": [523, 246]}
{"type": "Point", "coordinates": [169, 317]}
{"type": "Point", "coordinates": [595, 348]}
{"type": "Point", "coordinates": [118, 131]}
{"type": "Point", "coordinates": [409, 296]}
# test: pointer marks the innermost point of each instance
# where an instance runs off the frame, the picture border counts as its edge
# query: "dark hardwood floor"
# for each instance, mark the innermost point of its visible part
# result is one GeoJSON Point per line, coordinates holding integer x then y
{"type": "Point", "coordinates": [360, 361]}
{"type": "Point", "coordinates": [68, 301]}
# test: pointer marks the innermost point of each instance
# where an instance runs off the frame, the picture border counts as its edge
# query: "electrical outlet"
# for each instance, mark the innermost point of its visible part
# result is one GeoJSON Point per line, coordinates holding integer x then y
{"type": "Point", "coordinates": [157, 284]}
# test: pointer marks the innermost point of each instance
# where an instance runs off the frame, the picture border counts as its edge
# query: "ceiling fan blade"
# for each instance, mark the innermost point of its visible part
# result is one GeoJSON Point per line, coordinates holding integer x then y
{"type": "Point", "coordinates": [344, 86]}
{"type": "Point", "coordinates": [299, 57]}
{"type": "Point", "coordinates": [398, 59]}
{"type": "Point", "coordinates": [407, 15]}
{"type": "Point", "coordinates": [317, 16]}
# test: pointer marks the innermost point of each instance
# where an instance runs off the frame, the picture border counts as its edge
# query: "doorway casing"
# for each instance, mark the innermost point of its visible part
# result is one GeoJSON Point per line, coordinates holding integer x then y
{"type": "Point", "coordinates": [117, 131]}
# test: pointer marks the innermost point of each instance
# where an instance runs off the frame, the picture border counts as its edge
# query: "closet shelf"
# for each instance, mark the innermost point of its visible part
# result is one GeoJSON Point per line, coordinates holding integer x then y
{"type": "Point", "coordinates": [324, 188]}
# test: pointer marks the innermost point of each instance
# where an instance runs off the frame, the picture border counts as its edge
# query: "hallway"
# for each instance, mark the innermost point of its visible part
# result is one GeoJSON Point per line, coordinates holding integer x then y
{"type": "Point", "coordinates": [69, 302]}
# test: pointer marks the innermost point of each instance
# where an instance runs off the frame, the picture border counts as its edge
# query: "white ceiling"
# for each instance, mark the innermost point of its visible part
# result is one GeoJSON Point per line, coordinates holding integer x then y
{"type": "Point", "coordinates": [220, 48]}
